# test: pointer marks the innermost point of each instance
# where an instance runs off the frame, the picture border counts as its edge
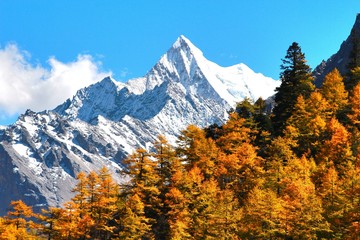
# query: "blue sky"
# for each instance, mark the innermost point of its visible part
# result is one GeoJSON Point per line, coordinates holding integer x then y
{"type": "Point", "coordinates": [49, 49]}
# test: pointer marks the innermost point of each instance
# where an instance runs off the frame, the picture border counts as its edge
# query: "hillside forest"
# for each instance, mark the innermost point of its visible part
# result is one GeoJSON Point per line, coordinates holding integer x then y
{"type": "Point", "coordinates": [291, 171]}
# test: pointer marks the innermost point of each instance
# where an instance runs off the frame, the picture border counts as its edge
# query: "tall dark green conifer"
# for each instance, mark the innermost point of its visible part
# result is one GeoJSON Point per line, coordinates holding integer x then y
{"type": "Point", "coordinates": [296, 80]}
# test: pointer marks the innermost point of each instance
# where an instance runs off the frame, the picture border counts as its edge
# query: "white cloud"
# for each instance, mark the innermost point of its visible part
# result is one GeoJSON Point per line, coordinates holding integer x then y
{"type": "Point", "coordinates": [25, 86]}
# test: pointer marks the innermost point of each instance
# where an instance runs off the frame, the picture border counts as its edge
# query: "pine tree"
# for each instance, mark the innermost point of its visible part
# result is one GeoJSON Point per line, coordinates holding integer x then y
{"type": "Point", "coordinates": [353, 79]}
{"type": "Point", "coordinates": [296, 80]}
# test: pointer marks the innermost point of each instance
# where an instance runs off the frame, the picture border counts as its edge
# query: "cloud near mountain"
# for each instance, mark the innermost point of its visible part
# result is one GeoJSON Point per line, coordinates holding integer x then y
{"type": "Point", "coordinates": [25, 85]}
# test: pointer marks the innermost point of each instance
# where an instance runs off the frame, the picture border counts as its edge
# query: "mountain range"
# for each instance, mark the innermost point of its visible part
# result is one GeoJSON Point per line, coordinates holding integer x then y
{"type": "Point", "coordinates": [42, 153]}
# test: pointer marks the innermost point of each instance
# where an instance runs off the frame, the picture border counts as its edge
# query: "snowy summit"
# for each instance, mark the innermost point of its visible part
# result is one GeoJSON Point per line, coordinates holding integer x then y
{"type": "Point", "coordinates": [43, 152]}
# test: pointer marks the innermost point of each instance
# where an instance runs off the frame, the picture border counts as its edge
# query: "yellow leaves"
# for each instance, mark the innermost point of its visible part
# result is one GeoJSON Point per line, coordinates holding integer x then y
{"type": "Point", "coordinates": [262, 208]}
{"type": "Point", "coordinates": [338, 131]}
{"type": "Point", "coordinates": [17, 222]}
{"type": "Point", "coordinates": [19, 214]}
{"type": "Point", "coordinates": [88, 214]}
{"type": "Point", "coordinates": [333, 89]}
{"type": "Point", "coordinates": [354, 115]}
{"type": "Point", "coordinates": [316, 104]}
{"type": "Point", "coordinates": [134, 222]}
{"type": "Point", "coordinates": [317, 125]}
{"type": "Point", "coordinates": [234, 134]}
{"type": "Point", "coordinates": [337, 146]}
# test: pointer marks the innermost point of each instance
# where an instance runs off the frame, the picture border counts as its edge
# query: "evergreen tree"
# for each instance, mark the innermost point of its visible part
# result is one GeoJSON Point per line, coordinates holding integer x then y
{"type": "Point", "coordinates": [353, 79]}
{"type": "Point", "coordinates": [296, 80]}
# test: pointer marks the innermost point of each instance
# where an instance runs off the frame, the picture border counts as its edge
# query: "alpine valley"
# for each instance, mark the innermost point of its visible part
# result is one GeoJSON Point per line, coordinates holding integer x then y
{"type": "Point", "coordinates": [42, 153]}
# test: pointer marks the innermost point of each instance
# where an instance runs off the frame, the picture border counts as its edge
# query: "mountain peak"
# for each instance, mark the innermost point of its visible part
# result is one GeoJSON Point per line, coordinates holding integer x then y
{"type": "Point", "coordinates": [106, 121]}
{"type": "Point", "coordinates": [181, 41]}
{"type": "Point", "coordinates": [109, 83]}
{"type": "Point", "coordinates": [184, 44]}
{"type": "Point", "coordinates": [356, 27]}
{"type": "Point", "coordinates": [357, 18]}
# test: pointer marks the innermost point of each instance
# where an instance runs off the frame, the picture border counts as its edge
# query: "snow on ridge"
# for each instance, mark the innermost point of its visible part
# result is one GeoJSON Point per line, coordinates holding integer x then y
{"type": "Point", "coordinates": [136, 85]}
{"type": "Point", "coordinates": [183, 63]}
{"type": "Point", "coordinates": [106, 121]}
{"type": "Point", "coordinates": [182, 42]}
{"type": "Point", "coordinates": [232, 84]}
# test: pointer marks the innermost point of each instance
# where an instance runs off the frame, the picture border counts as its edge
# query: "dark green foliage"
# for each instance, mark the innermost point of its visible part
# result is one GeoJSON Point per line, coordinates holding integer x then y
{"type": "Point", "coordinates": [296, 80]}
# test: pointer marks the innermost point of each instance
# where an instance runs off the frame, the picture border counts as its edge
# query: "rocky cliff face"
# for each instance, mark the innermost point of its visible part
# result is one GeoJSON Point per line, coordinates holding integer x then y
{"type": "Point", "coordinates": [41, 154]}
{"type": "Point", "coordinates": [341, 59]}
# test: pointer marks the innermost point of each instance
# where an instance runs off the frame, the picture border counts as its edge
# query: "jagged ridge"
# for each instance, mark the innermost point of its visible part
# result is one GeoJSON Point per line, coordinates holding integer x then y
{"type": "Point", "coordinates": [43, 152]}
{"type": "Point", "coordinates": [341, 59]}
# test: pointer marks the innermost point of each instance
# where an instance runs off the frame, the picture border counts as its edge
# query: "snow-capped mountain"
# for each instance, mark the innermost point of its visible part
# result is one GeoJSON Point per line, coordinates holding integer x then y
{"type": "Point", "coordinates": [41, 153]}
